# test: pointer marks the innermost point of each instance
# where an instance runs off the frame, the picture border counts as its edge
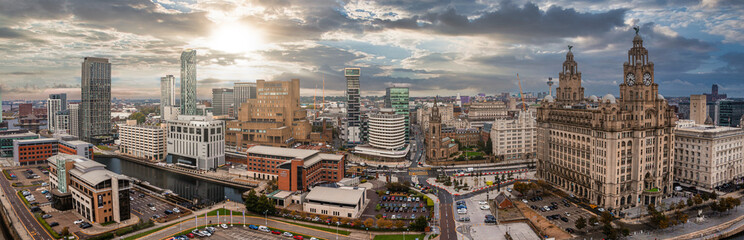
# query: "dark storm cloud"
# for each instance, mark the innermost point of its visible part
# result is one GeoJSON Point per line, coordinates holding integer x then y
{"type": "Point", "coordinates": [528, 22]}
{"type": "Point", "coordinates": [317, 18]}
{"type": "Point", "coordinates": [734, 63]}
{"type": "Point", "coordinates": [10, 33]}
{"type": "Point", "coordinates": [312, 56]}
{"type": "Point", "coordinates": [36, 9]}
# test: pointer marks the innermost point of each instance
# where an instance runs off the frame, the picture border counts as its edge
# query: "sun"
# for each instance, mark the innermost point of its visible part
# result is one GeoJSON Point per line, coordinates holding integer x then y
{"type": "Point", "coordinates": [235, 38]}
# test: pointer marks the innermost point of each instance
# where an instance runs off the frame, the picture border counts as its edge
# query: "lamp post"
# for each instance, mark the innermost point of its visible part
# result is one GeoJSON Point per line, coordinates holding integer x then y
{"type": "Point", "coordinates": [336, 230]}
{"type": "Point", "coordinates": [266, 216]}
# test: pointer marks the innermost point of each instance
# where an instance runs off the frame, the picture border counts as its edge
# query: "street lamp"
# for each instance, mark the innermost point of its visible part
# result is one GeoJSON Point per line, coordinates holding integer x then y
{"type": "Point", "coordinates": [266, 216]}
{"type": "Point", "coordinates": [337, 231]}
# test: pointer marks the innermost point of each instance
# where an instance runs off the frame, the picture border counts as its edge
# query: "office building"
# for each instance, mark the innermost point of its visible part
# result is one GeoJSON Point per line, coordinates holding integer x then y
{"type": "Point", "coordinates": [62, 97]}
{"type": "Point", "coordinates": [87, 187]}
{"type": "Point", "coordinates": [242, 91]}
{"type": "Point", "coordinates": [274, 118]}
{"type": "Point", "coordinates": [35, 151]}
{"type": "Point", "coordinates": [74, 119]}
{"type": "Point", "coordinates": [142, 141]}
{"type": "Point", "coordinates": [706, 156]}
{"type": "Point", "coordinates": [7, 138]}
{"type": "Point", "coordinates": [616, 153]}
{"type": "Point", "coordinates": [188, 82]}
{"type": "Point", "coordinates": [353, 123]}
{"type": "Point", "coordinates": [170, 113]}
{"type": "Point", "coordinates": [95, 107]}
{"type": "Point", "coordinates": [167, 92]}
{"type": "Point", "coordinates": [729, 112]}
{"type": "Point", "coordinates": [397, 98]}
{"type": "Point", "coordinates": [345, 202]}
{"type": "Point", "coordinates": [222, 100]}
{"type": "Point", "coordinates": [515, 137]}
{"type": "Point", "coordinates": [53, 107]}
{"type": "Point", "coordinates": [196, 142]}
{"type": "Point", "coordinates": [485, 112]}
{"type": "Point", "coordinates": [385, 137]}
{"type": "Point", "coordinates": [294, 169]}
{"type": "Point", "coordinates": [698, 109]}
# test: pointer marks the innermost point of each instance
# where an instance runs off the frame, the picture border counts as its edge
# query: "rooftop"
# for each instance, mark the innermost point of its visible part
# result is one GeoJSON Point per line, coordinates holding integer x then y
{"type": "Point", "coordinates": [283, 152]}
{"type": "Point", "coordinates": [348, 196]}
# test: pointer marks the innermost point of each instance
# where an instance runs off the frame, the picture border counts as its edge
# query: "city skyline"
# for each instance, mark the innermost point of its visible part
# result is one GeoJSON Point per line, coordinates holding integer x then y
{"type": "Point", "coordinates": [436, 48]}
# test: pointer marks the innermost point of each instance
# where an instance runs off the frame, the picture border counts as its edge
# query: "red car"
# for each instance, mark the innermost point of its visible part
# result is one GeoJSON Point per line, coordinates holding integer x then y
{"type": "Point", "coordinates": [190, 235]}
{"type": "Point", "coordinates": [276, 232]}
{"type": "Point", "coordinates": [298, 237]}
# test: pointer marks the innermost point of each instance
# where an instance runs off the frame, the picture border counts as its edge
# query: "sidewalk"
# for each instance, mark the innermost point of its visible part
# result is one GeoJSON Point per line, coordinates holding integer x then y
{"type": "Point", "coordinates": [14, 219]}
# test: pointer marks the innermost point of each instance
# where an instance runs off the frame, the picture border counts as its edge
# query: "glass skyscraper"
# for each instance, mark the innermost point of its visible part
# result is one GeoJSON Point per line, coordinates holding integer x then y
{"type": "Point", "coordinates": [95, 107]}
{"type": "Point", "coordinates": [188, 82]}
{"type": "Point", "coordinates": [397, 99]}
{"type": "Point", "coordinates": [167, 92]}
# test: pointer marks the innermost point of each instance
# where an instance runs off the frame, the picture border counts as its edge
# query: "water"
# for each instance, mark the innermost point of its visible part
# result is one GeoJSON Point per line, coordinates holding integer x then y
{"type": "Point", "coordinates": [183, 185]}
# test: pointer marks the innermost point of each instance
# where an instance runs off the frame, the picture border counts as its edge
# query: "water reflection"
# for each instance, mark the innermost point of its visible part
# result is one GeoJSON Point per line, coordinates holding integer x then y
{"type": "Point", "coordinates": [184, 186]}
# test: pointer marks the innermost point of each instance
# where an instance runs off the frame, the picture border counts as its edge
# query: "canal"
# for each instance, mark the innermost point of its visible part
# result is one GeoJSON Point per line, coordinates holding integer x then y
{"type": "Point", "coordinates": [183, 185]}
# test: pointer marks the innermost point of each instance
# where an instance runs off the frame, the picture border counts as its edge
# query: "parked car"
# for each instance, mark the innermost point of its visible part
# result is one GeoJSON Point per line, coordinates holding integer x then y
{"type": "Point", "coordinates": [223, 226]}
{"type": "Point", "coordinates": [85, 225]}
{"type": "Point", "coordinates": [54, 224]}
{"type": "Point", "coordinates": [287, 234]}
{"type": "Point", "coordinates": [176, 210]}
{"type": "Point", "coordinates": [254, 227]}
{"type": "Point", "coordinates": [298, 237]}
{"type": "Point", "coordinates": [45, 216]}
{"type": "Point", "coordinates": [191, 235]}
{"type": "Point", "coordinates": [570, 230]}
{"type": "Point", "coordinates": [485, 207]}
{"type": "Point", "coordinates": [263, 229]}
{"type": "Point", "coordinates": [168, 212]}
{"type": "Point", "coordinates": [276, 232]}
{"type": "Point", "coordinates": [150, 205]}
{"type": "Point", "coordinates": [153, 208]}
{"type": "Point", "coordinates": [79, 221]}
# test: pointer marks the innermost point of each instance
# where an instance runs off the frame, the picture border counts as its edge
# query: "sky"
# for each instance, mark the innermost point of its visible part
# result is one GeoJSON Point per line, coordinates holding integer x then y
{"type": "Point", "coordinates": [437, 47]}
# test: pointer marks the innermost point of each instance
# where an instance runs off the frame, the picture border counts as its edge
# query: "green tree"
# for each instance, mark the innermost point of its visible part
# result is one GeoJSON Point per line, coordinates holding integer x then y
{"type": "Point", "coordinates": [65, 231]}
{"type": "Point", "coordinates": [419, 224]}
{"type": "Point", "coordinates": [593, 220]}
{"type": "Point", "coordinates": [139, 116]}
{"type": "Point", "coordinates": [489, 147]}
{"type": "Point", "coordinates": [251, 201]}
{"type": "Point", "coordinates": [580, 223]}
{"type": "Point", "coordinates": [690, 202]}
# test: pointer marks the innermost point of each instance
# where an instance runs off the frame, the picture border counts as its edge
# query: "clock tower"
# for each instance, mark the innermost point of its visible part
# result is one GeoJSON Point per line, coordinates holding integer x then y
{"type": "Point", "coordinates": [569, 81]}
{"type": "Point", "coordinates": [638, 92]}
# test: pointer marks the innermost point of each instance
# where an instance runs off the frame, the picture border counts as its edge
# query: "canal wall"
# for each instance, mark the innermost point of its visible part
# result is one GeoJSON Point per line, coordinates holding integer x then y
{"type": "Point", "coordinates": [239, 185]}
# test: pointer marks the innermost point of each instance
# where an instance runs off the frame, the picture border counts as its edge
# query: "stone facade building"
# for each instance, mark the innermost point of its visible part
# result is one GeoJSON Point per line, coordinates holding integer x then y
{"type": "Point", "coordinates": [707, 156]}
{"type": "Point", "coordinates": [515, 138]}
{"type": "Point", "coordinates": [438, 147]}
{"type": "Point", "coordinates": [616, 153]}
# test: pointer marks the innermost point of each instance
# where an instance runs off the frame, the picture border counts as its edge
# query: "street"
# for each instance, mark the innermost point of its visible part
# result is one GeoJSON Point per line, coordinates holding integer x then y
{"type": "Point", "coordinates": [32, 226]}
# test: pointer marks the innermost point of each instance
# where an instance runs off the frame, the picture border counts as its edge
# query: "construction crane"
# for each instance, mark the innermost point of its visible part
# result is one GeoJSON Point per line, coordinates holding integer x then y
{"type": "Point", "coordinates": [521, 94]}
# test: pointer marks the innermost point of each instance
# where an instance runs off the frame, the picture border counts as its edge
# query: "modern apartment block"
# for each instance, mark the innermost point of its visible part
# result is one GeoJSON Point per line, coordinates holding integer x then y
{"type": "Point", "coordinates": [351, 132]}
{"type": "Point", "coordinates": [274, 118]}
{"type": "Point", "coordinates": [516, 137]}
{"type": "Point", "coordinates": [95, 107]}
{"type": "Point", "coordinates": [167, 92]}
{"type": "Point", "coordinates": [61, 122]}
{"type": "Point", "coordinates": [74, 119]}
{"type": "Point", "coordinates": [615, 153]}
{"type": "Point", "coordinates": [36, 151]}
{"type": "Point", "coordinates": [707, 156]}
{"type": "Point", "coordinates": [188, 82]}
{"type": "Point", "coordinates": [242, 91]}
{"type": "Point", "coordinates": [97, 194]}
{"type": "Point", "coordinates": [196, 142]}
{"type": "Point", "coordinates": [142, 141]}
{"type": "Point", "coordinates": [53, 107]}
{"type": "Point", "coordinates": [294, 169]}
{"type": "Point", "coordinates": [222, 100]}
{"type": "Point", "coordinates": [62, 97]}
{"type": "Point", "coordinates": [397, 98]}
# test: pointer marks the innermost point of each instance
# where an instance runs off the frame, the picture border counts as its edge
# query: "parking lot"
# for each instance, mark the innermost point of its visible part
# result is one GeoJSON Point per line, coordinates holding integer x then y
{"type": "Point", "coordinates": [566, 211]}
{"type": "Point", "coordinates": [142, 203]}
{"type": "Point", "coordinates": [395, 207]}
{"type": "Point", "coordinates": [242, 233]}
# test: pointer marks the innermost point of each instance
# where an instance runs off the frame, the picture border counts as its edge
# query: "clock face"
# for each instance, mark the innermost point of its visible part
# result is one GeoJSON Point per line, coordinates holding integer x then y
{"type": "Point", "coordinates": [647, 79]}
{"type": "Point", "coordinates": [630, 79]}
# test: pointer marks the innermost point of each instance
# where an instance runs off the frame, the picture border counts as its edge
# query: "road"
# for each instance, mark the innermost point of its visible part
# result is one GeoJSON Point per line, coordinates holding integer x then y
{"type": "Point", "coordinates": [32, 226]}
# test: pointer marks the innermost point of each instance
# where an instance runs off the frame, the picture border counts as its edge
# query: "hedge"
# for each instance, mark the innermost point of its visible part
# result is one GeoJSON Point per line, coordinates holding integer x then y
{"type": "Point", "coordinates": [48, 228]}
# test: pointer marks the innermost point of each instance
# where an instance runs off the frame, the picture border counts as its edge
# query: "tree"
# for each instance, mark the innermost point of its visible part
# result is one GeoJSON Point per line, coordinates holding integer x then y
{"type": "Point", "coordinates": [399, 224]}
{"type": "Point", "coordinates": [690, 202]}
{"type": "Point", "coordinates": [489, 147]}
{"type": "Point", "coordinates": [680, 217]}
{"type": "Point", "coordinates": [370, 222]}
{"type": "Point", "coordinates": [140, 117]}
{"type": "Point", "coordinates": [419, 224]}
{"type": "Point", "coordinates": [251, 200]}
{"type": "Point", "coordinates": [593, 220]}
{"type": "Point", "coordinates": [65, 231]}
{"type": "Point", "coordinates": [681, 204]}
{"type": "Point", "coordinates": [334, 220]}
{"type": "Point", "coordinates": [356, 222]}
{"type": "Point", "coordinates": [580, 223]}
{"type": "Point", "coordinates": [605, 218]}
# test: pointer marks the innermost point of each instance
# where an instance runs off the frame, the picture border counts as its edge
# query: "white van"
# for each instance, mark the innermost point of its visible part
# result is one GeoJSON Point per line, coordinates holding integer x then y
{"type": "Point", "coordinates": [263, 229]}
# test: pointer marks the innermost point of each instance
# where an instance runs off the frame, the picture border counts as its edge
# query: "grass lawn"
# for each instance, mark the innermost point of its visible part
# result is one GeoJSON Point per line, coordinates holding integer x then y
{"type": "Point", "coordinates": [104, 147]}
{"type": "Point", "coordinates": [325, 229]}
{"type": "Point", "coordinates": [401, 237]}
{"type": "Point", "coordinates": [473, 154]}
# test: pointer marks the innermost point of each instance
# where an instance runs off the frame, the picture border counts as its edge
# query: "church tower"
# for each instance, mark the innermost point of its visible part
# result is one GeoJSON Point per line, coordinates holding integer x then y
{"type": "Point", "coordinates": [569, 84]}
{"type": "Point", "coordinates": [435, 130]}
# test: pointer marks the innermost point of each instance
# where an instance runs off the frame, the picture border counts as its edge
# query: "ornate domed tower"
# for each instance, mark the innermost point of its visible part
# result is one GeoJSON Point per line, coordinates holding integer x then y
{"type": "Point", "coordinates": [638, 92]}
{"type": "Point", "coordinates": [569, 84]}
